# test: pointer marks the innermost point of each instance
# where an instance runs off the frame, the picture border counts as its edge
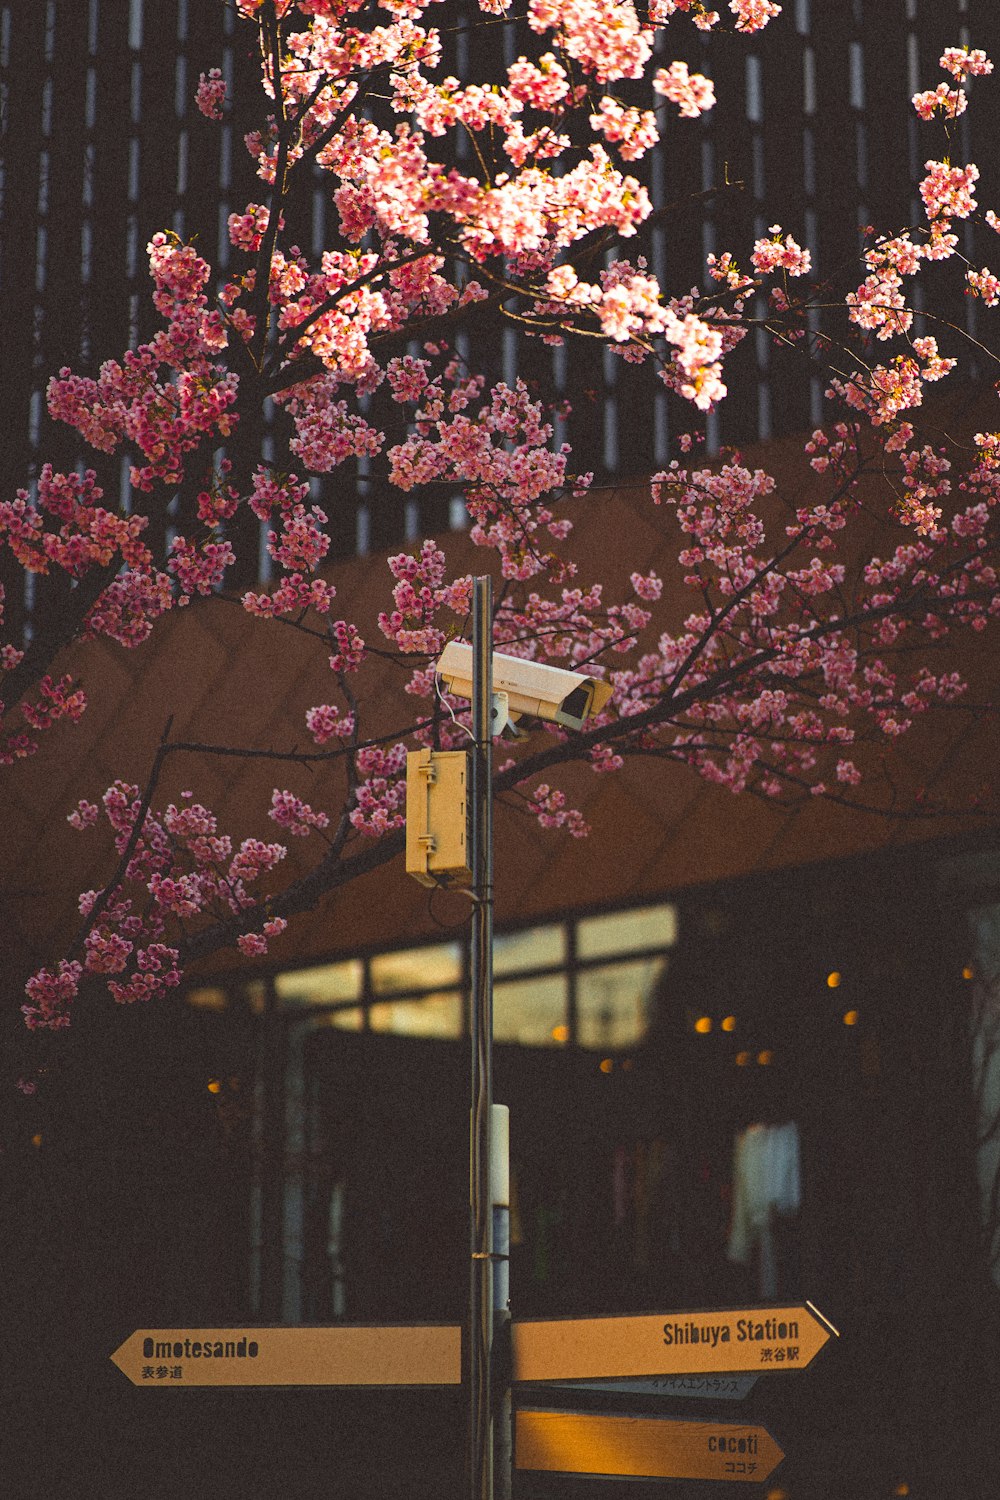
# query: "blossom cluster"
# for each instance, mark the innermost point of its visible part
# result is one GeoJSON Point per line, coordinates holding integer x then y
{"type": "Point", "coordinates": [380, 796]}
{"type": "Point", "coordinates": [691, 92]}
{"type": "Point", "coordinates": [785, 661]}
{"type": "Point", "coordinates": [500, 457]}
{"type": "Point", "coordinates": [962, 63]}
{"type": "Point", "coordinates": [550, 807]}
{"type": "Point", "coordinates": [626, 305]}
{"type": "Point", "coordinates": [133, 403]}
{"type": "Point", "coordinates": [211, 93]}
{"type": "Point", "coordinates": [816, 683]}
{"type": "Point", "coordinates": [780, 254]}
{"type": "Point", "coordinates": [180, 869]}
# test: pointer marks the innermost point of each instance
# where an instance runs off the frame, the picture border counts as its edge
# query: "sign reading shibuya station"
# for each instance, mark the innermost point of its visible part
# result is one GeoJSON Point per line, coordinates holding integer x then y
{"type": "Point", "coordinates": [566, 1442]}
{"type": "Point", "coordinates": [407, 1354]}
{"type": "Point", "coordinates": [758, 1340]}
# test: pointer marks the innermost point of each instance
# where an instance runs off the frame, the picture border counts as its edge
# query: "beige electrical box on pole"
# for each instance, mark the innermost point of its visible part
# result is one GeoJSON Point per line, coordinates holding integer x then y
{"type": "Point", "coordinates": [437, 816]}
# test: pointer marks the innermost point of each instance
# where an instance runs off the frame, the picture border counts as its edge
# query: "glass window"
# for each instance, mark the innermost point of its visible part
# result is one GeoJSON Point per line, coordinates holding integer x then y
{"type": "Point", "coordinates": [255, 991]}
{"type": "Point", "coordinates": [614, 1003]}
{"type": "Point", "coordinates": [537, 948]}
{"type": "Point", "coordinates": [352, 1018]}
{"type": "Point", "coordinates": [322, 986]}
{"type": "Point", "coordinates": [417, 968]}
{"type": "Point", "coordinates": [208, 999]}
{"type": "Point", "coordinates": [437, 1015]}
{"type": "Point", "coordinates": [626, 931]}
{"type": "Point", "coordinates": [531, 1012]}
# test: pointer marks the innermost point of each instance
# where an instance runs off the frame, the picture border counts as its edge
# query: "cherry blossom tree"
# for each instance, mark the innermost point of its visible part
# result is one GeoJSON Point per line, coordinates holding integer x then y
{"type": "Point", "coordinates": [798, 649]}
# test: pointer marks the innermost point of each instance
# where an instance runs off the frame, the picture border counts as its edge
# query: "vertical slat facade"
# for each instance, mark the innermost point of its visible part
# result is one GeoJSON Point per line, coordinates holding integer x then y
{"type": "Point", "coordinates": [103, 146]}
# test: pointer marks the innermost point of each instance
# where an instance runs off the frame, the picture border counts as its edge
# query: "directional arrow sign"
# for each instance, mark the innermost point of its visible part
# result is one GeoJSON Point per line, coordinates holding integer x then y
{"type": "Point", "coordinates": [751, 1339]}
{"type": "Point", "coordinates": [406, 1354]}
{"type": "Point", "coordinates": [566, 1442]}
{"type": "Point", "coordinates": [689, 1387]}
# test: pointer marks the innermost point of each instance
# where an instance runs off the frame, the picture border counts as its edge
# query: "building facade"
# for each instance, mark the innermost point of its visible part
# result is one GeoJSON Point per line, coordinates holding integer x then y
{"type": "Point", "coordinates": [813, 126]}
{"type": "Point", "coordinates": [287, 1143]}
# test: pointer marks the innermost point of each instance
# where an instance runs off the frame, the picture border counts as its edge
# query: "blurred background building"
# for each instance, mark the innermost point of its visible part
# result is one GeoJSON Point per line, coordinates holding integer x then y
{"type": "Point", "coordinates": [288, 1143]}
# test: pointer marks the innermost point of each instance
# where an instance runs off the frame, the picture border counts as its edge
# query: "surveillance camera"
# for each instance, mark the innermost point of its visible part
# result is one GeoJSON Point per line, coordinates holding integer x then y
{"type": "Point", "coordinates": [531, 687]}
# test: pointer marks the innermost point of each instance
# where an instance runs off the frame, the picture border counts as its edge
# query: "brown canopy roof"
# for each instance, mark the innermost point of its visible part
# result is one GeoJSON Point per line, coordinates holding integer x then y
{"type": "Point", "coordinates": [227, 679]}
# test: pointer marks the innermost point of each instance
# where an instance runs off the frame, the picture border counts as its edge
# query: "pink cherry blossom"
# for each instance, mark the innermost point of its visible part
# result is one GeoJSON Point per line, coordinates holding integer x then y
{"type": "Point", "coordinates": [294, 815]}
{"type": "Point", "coordinates": [780, 254]}
{"type": "Point", "coordinates": [693, 93]}
{"type": "Point", "coordinates": [605, 36]}
{"type": "Point", "coordinates": [85, 816]}
{"type": "Point", "coordinates": [753, 15]}
{"type": "Point", "coordinates": [962, 62]}
{"type": "Point", "coordinates": [947, 190]}
{"type": "Point", "coordinates": [984, 284]}
{"type": "Point", "coordinates": [51, 993]}
{"type": "Point", "coordinates": [326, 723]}
{"type": "Point", "coordinates": [634, 131]}
{"type": "Point", "coordinates": [951, 102]}
{"type": "Point", "coordinates": [879, 304]}
{"type": "Point", "coordinates": [211, 93]}
{"type": "Point", "coordinates": [774, 650]}
{"type": "Point", "coordinates": [549, 806]}
{"type": "Point", "coordinates": [647, 588]}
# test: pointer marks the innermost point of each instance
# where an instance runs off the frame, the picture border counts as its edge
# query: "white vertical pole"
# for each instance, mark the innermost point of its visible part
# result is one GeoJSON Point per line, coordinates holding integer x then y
{"type": "Point", "coordinates": [500, 1193]}
{"type": "Point", "coordinates": [481, 1031]}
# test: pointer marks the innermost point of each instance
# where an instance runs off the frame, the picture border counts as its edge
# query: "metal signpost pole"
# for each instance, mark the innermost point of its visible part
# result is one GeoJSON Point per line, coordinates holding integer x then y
{"type": "Point", "coordinates": [503, 1422]}
{"type": "Point", "coordinates": [481, 1032]}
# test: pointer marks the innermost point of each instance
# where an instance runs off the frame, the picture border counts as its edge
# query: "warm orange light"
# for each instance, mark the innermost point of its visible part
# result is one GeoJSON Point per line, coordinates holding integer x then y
{"type": "Point", "coordinates": [214, 1086]}
{"type": "Point", "coordinates": [765, 1058]}
{"type": "Point", "coordinates": [742, 1058]}
{"type": "Point", "coordinates": [729, 1023]}
{"type": "Point", "coordinates": [850, 1018]}
{"type": "Point", "coordinates": [606, 1064]}
{"type": "Point", "coordinates": [833, 980]}
{"type": "Point", "coordinates": [967, 973]}
{"type": "Point", "coordinates": [703, 1025]}
{"type": "Point", "coordinates": [902, 1489]}
{"type": "Point", "coordinates": [777, 1495]}
{"type": "Point", "coordinates": [560, 1033]}
{"type": "Point", "coordinates": [36, 1140]}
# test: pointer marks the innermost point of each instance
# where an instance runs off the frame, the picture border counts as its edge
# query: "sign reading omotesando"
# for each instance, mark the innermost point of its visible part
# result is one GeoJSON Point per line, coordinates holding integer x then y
{"type": "Point", "coordinates": [566, 1442]}
{"type": "Point", "coordinates": [758, 1340]}
{"type": "Point", "coordinates": [403, 1354]}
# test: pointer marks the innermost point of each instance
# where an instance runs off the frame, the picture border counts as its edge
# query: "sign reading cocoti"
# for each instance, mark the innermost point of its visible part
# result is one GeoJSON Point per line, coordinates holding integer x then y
{"type": "Point", "coordinates": [407, 1354]}
{"type": "Point", "coordinates": [568, 1442]}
